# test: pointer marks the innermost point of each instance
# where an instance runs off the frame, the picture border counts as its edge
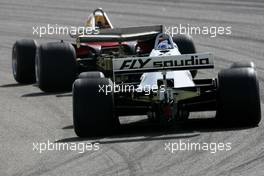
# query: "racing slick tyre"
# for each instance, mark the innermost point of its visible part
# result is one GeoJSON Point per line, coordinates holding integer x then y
{"type": "Point", "coordinates": [93, 110]}
{"type": "Point", "coordinates": [55, 66]}
{"type": "Point", "coordinates": [238, 102]}
{"type": "Point", "coordinates": [243, 65]}
{"type": "Point", "coordinates": [186, 46]}
{"type": "Point", "coordinates": [91, 74]}
{"type": "Point", "coordinates": [23, 61]}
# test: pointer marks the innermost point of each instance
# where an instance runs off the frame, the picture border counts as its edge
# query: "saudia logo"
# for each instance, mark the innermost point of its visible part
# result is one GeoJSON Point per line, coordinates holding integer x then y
{"type": "Point", "coordinates": [141, 63]}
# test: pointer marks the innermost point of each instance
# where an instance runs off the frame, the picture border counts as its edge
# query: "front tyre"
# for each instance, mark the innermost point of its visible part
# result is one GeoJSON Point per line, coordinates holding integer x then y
{"type": "Point", "coordinates": [91, 74]}
{"type": "Point", "coordinates": [243, 65]}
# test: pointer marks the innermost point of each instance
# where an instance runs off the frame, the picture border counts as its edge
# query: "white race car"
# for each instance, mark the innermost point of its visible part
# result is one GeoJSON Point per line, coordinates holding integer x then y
{"type": "Point", "coordinates": [162, 85]}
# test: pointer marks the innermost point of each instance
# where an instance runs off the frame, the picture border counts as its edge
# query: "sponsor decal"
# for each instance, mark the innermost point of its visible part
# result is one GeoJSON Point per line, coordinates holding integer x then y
{"type": "Point", "coordinates": [138, 63]}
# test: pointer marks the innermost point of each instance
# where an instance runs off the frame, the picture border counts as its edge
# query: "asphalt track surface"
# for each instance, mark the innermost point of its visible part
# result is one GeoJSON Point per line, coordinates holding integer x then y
{"type": "Point", "coordinates": [27, 115]}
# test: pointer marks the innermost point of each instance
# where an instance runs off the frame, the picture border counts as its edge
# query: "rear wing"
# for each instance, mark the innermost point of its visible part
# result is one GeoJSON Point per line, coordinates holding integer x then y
{"type": "Point", "coordinates": [122, 34]}
{"type": "Point", "coordinates": [133, 65]}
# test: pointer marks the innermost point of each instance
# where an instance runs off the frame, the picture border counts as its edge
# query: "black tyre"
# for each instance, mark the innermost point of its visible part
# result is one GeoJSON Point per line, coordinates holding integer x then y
{"type": "Point", "coordinates": [243, 65]}
{"type": "Point", "coordinates": [238, 97]}
{"type": "Point", "coordinates": [186, 46]}
{"type": "Point", "coordinates": [23, 61]}
{"type": "Point", "coordinates": [55, 66]}
{"type": "Point", "coordinates": [93, 110]}
{"type": "Point", "coordinates": [91, 74]}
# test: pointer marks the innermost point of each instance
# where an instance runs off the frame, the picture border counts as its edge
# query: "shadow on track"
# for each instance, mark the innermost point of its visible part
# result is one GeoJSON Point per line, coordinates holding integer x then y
{"type": "Point", "coordinates": [13, 85]}
{"type": "Point", "coordinates": [143, 130]}
{"type": "Point", "coordinates": [39, 94]}
{"type": "Point", "coordinates": [68, 127]}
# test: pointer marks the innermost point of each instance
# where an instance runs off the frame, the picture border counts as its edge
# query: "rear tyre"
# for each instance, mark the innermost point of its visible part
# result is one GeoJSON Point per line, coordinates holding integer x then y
{"type": "Point", "coordinates": [186, 46]}
{"type": "Point", "coordinates": [91, 74]}
{"type": "Point", "coordinates": [55, 66]}
{"type": "Point", "coordinates": [93, 109]}
{"type": "Point", "coordinates": [238, 101]}
{"type": "Point", "coordinates": [23, 61]}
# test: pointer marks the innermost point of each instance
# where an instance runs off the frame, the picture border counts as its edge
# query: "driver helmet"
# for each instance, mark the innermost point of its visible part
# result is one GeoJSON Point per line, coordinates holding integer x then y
{"type": "Point", "coordinates": [99, 20]}
{"type": "Point", "coordinates": [164, 45]}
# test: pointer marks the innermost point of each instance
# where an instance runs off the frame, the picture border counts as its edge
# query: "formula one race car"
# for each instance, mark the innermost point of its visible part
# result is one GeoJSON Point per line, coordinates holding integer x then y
{"type": "Point", "coordinates": [136, 71]}
{"type": "Point", "coordinates": [166, 90]}
{"type": "Point", "coordinates": [55, 65]}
